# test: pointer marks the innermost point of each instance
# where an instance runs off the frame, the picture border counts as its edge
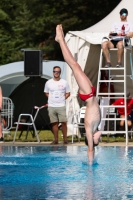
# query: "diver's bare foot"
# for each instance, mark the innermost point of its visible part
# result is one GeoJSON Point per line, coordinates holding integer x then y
{"type": "Point", "coordinates": [59, 33]}
{"type": "Point", "coordinates": [62, 31]}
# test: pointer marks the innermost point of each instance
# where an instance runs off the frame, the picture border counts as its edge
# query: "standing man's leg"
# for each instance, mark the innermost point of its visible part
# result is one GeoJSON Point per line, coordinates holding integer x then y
{"type": "Point", "coordinates": [54, 123]}
{"type": "Point", "coordinates": [63, 119]}
{"type": "Point", "coordinates": [55, 132]}
{"type": "Point", "coordinates": [64, 131]}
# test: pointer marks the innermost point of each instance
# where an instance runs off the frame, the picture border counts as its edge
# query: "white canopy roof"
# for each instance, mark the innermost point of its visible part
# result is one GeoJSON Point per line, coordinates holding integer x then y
{"type": "Point", "coordinates": [102, 28]}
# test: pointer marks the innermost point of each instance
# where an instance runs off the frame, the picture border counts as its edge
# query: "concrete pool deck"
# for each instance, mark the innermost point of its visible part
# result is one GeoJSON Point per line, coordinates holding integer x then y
{"type": "Point", "coordinates": [61, 144]}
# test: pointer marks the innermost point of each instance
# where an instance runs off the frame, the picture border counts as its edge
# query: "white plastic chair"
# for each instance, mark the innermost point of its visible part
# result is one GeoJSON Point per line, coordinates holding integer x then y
{"type": "Point", "coordinates": [30, 122]}
{"type": "Point", "coordinates": [77, 121]}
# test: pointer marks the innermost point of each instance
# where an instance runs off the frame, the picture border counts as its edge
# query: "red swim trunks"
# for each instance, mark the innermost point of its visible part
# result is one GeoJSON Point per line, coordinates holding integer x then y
{"type": "Point", "coordinates": [84, 97]}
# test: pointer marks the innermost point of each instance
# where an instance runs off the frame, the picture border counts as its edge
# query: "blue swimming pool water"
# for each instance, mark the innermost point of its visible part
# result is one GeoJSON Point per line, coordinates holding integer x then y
{"type": "Point", "coordinates": [62, 172]}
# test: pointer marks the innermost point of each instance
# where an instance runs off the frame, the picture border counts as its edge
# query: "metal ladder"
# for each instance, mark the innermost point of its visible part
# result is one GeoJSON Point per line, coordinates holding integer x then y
{"type": "Point", "coordinates": [117, 79]}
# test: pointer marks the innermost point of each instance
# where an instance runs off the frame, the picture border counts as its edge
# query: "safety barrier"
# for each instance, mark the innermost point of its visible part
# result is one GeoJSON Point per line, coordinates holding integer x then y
{"type": "Point", "coordinates": [7, 115]}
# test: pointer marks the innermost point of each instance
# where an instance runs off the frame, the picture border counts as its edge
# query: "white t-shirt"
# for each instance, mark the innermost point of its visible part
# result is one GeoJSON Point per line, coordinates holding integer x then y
{"type": "Point", "coordinates": [116, 27]}
{"type": "Point", "coordinates": [57, 91]}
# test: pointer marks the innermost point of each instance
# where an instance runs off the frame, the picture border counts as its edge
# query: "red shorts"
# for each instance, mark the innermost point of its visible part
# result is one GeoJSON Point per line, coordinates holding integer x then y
{"type": "Point", "coordinates": [84, 97]}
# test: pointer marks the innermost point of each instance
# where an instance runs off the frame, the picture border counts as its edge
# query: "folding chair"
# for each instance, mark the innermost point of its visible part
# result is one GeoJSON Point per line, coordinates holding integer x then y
{"type": "Point", "coordinates": [77, 121]}
{"type": "Point", "coordinates": [30, 122]}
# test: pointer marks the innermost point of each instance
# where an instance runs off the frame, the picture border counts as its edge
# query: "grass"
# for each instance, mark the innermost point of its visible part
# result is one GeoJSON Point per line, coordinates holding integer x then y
{"type": "Point", "coordinates": [44, 135]}
{"type": "Point", "coordinates": [47, 136]}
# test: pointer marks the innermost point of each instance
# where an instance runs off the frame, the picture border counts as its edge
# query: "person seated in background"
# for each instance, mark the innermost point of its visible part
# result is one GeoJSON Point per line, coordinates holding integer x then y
{"type": "Point", "coordinates": [121, 110]}
{"type": "Point", "coordinates": [120, 28]}
{"type": "Point", "coordinates": [1, 136]}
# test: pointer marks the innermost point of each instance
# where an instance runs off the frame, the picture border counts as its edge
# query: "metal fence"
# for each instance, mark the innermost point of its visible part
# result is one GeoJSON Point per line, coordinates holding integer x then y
{"type": "Point", "coordinates": [7, 114]}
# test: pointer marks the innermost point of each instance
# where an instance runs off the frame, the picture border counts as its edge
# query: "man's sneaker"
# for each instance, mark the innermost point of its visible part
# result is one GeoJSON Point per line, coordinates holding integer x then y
{"type": "Point", "coordinates": [119, 64]}
{"type": "Point", "coordinates": [108, 64]}
{"type": "Point", "coordinates": [1, 139]}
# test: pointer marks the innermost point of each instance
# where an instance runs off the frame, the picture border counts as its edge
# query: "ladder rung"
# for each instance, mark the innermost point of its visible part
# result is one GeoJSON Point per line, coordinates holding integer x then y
{"type": "Point", "coordinates": [113, 76]}
{"type": "Point", "coordinates": [113, 49]}
{"type": "Point", "coordinates": [108, 132]}
{"type": "Point", "coordinates": [112, 119]}
{"type": "Point", "coordinates": [112, 68]}
{"type": "Point", "coordinates": [101, 93]}
{"type": "Point", "coordinates": [112, 106]}
{"type": "Point", "coordinates": [111, 81]}
{"type": "Point", "coordinates": [111, 97]}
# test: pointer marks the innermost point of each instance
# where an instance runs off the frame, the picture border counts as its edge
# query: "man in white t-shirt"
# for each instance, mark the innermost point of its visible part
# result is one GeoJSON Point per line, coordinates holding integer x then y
{"type": "Point", "coordinates": [119, 30]}
{"type": "Point", "coordinates": [57, 90]}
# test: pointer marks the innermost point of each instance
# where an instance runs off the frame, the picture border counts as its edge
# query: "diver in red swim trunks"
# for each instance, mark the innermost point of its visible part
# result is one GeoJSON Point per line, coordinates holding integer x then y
{"type": "Point", "coordinates": [84, 97]}
{"type": "Point", "coordinates": [86, 92]}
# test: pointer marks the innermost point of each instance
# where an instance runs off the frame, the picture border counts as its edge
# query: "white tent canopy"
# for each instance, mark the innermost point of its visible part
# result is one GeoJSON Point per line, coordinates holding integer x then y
{"type": "Point", "coordinates": [86, 45]}
{"type": "Point", "coordinates": [95, 33]}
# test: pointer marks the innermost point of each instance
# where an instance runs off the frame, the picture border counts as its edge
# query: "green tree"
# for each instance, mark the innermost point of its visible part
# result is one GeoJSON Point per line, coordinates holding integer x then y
{"type": "Point", "coordinates": [7, 15]}
{"type": "Point", "coordinates": [31, 24]}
